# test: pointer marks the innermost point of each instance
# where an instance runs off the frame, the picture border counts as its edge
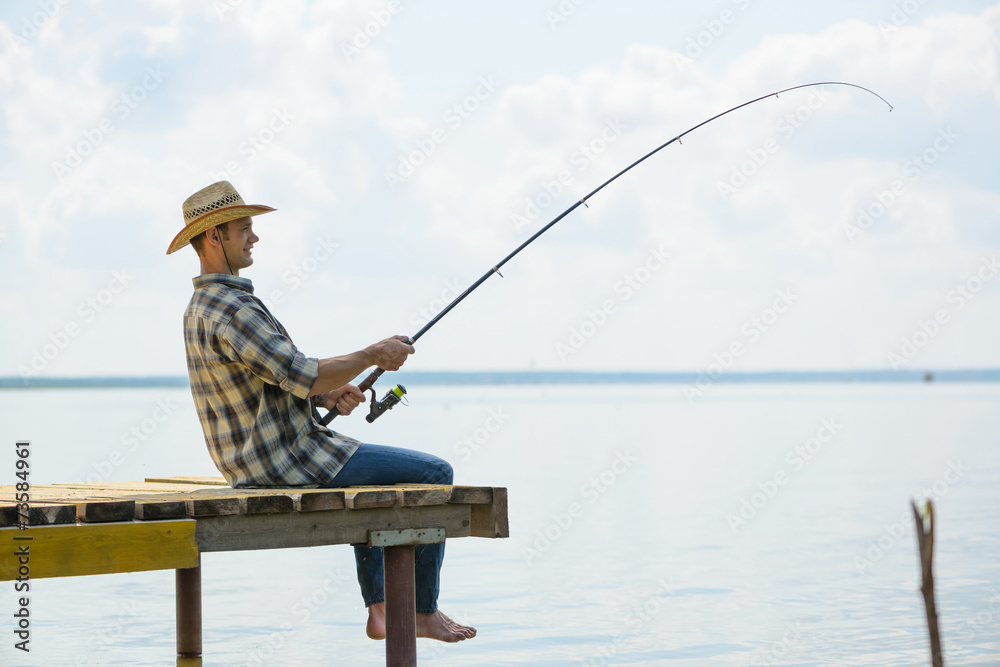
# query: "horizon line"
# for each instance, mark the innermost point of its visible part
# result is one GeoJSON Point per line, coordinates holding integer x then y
{"type": "Point", "coordinates": [487, 377]}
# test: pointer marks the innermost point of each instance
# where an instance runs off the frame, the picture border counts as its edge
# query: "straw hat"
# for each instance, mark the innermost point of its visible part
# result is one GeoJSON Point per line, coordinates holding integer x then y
{"type": "Point", "coordinates": [210, 207]}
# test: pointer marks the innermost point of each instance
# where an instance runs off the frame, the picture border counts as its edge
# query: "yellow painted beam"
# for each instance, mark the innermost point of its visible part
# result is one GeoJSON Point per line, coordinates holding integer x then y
{"type": "Point", "coordinates": [103, 548]}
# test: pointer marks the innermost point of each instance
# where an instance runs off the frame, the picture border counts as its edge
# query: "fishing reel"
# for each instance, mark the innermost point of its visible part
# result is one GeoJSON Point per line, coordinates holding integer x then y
{"type": "Point", "coordinates": [378, 408]}
{"type": "Point", "coordinates": [392, 397]}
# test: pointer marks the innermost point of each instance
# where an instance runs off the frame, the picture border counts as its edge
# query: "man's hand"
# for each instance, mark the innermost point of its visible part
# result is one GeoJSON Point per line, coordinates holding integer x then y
{"type": "Point", "coordinates": [390, 353]}
{"type": "Point", "coordinates": [344, 399]}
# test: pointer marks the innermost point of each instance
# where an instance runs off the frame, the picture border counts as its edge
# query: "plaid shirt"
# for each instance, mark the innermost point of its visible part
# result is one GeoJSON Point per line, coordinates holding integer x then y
{"type": "Point", "coordinates": [251, 386]}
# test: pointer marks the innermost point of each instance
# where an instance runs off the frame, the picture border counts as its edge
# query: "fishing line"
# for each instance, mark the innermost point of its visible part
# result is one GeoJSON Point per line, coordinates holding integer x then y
{"type": "Point", "coordinates": [396, 393]}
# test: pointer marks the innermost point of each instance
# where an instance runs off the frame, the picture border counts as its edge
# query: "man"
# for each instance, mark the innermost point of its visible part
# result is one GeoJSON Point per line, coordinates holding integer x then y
{"type": "Point", "coordinates": [255, 393]}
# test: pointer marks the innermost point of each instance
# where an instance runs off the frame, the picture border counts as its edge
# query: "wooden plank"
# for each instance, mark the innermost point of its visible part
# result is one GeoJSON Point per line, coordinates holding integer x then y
{"type": "Point", "coordinates": [206, 507]}
{"type": "Point", "coordinates": [76, 550]}
{"type": "Point", "coordinates": [176, 493]}
{"type": "Point", "coordinates": [158, 511]}
{"type": "Point", "coordinates": [429, 495]}
{"type": "Point", "coordinates": [94, 493]}
{"type": "Point", "coordinates": [309, 529]}
{"type": "Point", "coordinates": [317, 500]}
{"type": "Point", "coordinates": [157, 505]}
{"type": "Point", "coordinates": [152, 507]}
{"type": "Point", "coordinates": [239, 494]}
{"type": "Point", "coordinates": [103, 511]}
{"type": "Point", "coordinates": [471, 495]}
{"type": "Point", "coordinates": [491, 520]}
{"type": "Point", "coordinates": [39, 513]}
{"type": "Point", "coordinates": [87, 509]}
{"type": "Point", "coordinates": [419, 493]}
{"type": "Point", "coordinates": [46, 493]}
{"type": "Point", "coordinates": [77, 496]}
{"type": "Point", "coordinates": [362, 498]}
{"type": "Point", "coordinates": [152, 487]}
{"type": "Point", "coordinates": [269, 504]}
{"type": "Point", "coordinates": [405, 537]}
{"type": "Point", "coordinates": [185, 479]}
{"type": "Point", "coordinates": [122, 506]}
{"type": "Point", "coordinates": [46, 514]}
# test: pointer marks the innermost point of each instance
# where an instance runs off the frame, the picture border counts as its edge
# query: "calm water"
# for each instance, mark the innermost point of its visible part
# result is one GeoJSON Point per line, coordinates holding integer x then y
{"type": "Point", "coordinates": [758, 525]}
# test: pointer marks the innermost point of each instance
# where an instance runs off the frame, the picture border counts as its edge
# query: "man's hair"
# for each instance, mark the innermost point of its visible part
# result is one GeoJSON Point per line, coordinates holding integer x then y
{"type": "Point", "coordinates": [198, 242]}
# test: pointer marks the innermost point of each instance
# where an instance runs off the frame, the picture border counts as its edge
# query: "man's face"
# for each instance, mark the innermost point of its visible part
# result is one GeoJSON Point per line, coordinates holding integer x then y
{"type": "Point", "coordinates": [240, 241]}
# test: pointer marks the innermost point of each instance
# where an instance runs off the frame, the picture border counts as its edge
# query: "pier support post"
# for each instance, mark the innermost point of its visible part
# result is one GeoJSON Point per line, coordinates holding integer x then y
{"type": "Point", "coordinates": [188, 593]}
{"type": "Point", "coordinates": [400, 607]}
{"type": "Point", "coordinates": [400, 589]}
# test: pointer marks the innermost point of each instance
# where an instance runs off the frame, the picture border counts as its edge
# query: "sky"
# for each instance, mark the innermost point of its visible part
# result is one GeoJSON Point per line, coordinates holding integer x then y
{"type": "Point", "coordinates": [408, 147]}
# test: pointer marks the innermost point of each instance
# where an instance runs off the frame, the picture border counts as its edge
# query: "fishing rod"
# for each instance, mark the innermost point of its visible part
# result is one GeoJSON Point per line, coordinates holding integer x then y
{"type": "Point", "coordinates": [397, 393]}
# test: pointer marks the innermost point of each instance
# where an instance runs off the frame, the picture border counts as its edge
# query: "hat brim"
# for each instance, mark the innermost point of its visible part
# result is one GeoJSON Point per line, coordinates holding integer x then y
{"type": "Point", "coordinates": [214, 219]}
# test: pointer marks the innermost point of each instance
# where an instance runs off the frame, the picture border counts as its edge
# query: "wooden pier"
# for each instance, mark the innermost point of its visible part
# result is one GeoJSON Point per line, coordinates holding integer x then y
{"type": "Point", "coordinates": [167, 523]}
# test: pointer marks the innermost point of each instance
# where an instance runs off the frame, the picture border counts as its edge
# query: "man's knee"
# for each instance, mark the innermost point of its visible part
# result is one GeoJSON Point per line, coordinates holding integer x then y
{"type": "Point", "coordinates": [445, 473]}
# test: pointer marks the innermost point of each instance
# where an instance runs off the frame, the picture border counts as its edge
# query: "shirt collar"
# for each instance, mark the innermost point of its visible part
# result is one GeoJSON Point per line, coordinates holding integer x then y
{"type": "Point", "coordinates": [225, 279]}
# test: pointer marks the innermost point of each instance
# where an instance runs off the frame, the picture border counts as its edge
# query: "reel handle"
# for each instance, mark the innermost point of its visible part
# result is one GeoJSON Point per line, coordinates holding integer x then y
{"type": "Point", "coordinates": [365, 385]}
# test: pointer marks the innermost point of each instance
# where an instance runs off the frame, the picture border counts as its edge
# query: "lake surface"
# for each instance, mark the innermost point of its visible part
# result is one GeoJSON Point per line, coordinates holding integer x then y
{"type": "Point", "coordinates": [763, 524]}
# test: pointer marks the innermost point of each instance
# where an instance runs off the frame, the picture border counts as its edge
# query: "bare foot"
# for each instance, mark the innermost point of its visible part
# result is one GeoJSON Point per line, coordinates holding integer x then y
{"type": "Point", "coordinates": [376, 621]}
{"type": "Point", "coordinates": [433, 626]}
{"type": "Point", "coordinates": [440, 627]}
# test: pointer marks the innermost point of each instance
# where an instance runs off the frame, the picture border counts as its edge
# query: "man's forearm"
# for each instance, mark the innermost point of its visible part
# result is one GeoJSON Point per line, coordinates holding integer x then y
{"type": "Point", "coordinates": [335, 372]}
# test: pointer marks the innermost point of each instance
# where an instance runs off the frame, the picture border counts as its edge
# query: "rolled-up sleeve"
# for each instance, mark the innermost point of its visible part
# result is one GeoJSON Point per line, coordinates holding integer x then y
{"type": "Point", "coordinates": [255, 341]}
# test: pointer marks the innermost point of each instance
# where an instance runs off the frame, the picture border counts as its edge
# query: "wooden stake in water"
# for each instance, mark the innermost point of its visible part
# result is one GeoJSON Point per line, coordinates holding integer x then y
{"type": "Point", "coordinates": [925, 546]}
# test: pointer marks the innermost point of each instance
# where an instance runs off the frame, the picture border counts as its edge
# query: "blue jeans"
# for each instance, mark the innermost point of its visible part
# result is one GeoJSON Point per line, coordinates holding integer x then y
{"type": "Point", "coordinates": [380, 465]}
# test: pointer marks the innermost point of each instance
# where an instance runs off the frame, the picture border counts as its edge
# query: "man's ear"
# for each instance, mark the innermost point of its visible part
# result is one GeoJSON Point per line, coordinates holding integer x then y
{"type": "Point", "coordinates": [212, 236]}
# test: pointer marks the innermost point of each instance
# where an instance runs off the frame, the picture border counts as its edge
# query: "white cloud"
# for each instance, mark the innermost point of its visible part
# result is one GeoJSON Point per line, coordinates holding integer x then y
{"type": "Point", "coordinates": [351, 120]}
